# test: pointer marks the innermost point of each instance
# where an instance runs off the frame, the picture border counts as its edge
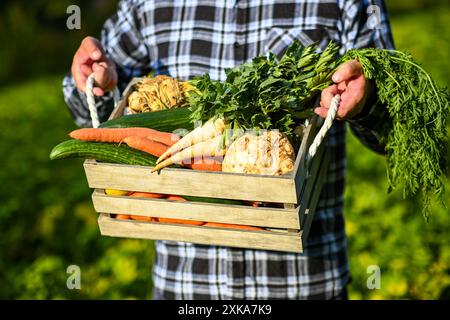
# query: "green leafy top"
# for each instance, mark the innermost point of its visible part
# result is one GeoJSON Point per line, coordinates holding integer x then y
{"type": "Point", "coordinates": [271, 93]}
{"type": "Point", "coordinates": [416, 139]}
{"type": "Point", "coordinates": [266, 93]}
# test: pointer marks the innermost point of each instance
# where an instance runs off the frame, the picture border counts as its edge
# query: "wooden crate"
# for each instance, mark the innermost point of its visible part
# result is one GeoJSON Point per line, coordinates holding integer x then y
{"type": "Point", "coordinates": [287, 228]}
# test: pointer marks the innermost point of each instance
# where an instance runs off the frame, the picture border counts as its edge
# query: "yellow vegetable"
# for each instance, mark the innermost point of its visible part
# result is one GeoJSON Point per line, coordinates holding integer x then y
{"type": "Point", "coordinates": [112, 192]}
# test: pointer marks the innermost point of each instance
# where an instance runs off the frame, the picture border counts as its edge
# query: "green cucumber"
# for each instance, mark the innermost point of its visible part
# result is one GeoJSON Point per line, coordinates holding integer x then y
{"type": "Point", "coordinates": [107, 152]}
{"type": "Point", "coordinates": [164, 120]}
{"type": "Point", "coordinates": [212, 200]}
{"type": "Point", "coordinates": [114, 153]}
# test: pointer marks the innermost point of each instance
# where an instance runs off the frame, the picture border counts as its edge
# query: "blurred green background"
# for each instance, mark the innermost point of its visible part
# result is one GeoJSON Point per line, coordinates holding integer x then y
{"type": "Point", "coordinates": [46, 218]}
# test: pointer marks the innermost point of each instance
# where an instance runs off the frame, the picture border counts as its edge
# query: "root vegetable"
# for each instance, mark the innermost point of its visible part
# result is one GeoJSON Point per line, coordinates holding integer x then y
{"type": "Point", "coordinates": [211, 129]}
{"type": "Point", "coordinates": [117, 135]}
{"type": "Point", "coordinates": [209, 148]}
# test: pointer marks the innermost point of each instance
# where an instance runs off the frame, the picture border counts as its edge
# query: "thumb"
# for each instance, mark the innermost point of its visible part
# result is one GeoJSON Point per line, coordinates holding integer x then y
{"type": "Point", "coordinates": [92, 48]}
{"type": "Point", "coordinates": [347, 71]}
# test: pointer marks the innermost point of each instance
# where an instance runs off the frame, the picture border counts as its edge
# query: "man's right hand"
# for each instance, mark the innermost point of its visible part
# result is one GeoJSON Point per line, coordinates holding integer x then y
{"type": "Point", "coordinates": [90, 57]}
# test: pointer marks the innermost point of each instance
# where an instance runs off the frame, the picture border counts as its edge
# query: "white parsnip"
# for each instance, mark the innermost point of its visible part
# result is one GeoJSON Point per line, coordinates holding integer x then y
{"type": "Point", "coordinates": [210, 148]}
{"type": "Point", "coordinates": [212, 128]}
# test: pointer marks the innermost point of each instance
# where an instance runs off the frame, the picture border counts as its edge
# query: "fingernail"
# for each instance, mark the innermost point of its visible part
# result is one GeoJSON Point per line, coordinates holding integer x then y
{"type": "Point", "coordinates": [336, 77]}
{"type": "Point", "coordinates": [96, 54]}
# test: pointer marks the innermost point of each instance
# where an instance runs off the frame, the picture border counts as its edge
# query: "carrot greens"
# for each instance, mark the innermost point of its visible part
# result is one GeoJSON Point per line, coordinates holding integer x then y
{"type": "Point", "coordinates": [272, 93]}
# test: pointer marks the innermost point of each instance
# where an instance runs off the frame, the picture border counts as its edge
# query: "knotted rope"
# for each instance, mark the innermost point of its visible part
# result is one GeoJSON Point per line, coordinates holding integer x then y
{"type": "Point", "coordinates": [320, 136]}
{"type": "Point", "coordinates": [91, 100]}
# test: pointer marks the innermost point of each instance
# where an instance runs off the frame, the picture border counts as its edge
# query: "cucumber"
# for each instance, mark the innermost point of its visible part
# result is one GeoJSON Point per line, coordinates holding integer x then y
{"type": "Point", "coordinates": [164, 120]}
{"type": "Point", "coordinates": [212, 200]}
{"type": "Point", "coordinates": [107, 152]}
{"type": "Point", "coordinates": [114, 153]}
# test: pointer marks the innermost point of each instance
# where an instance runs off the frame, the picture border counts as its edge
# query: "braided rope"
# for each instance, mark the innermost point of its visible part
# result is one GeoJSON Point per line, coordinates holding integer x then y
{"type": "Point", "coordinates": [91, 100]}
{"type": "Point", "coordinates": [320, 136]}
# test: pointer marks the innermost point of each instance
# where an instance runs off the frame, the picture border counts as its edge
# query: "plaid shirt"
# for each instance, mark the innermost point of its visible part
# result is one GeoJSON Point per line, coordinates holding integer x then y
{"type": "Point", "coordinates": [189, 38]}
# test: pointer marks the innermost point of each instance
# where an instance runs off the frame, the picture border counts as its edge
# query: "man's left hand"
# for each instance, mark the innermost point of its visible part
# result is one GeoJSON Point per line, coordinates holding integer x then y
{"type": "Point", "coordinates": [354, 88]}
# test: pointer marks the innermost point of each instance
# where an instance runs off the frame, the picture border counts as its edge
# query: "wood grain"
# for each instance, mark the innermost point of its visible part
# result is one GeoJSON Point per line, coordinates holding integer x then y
{"type": "Point", "coordinates": [191, 182]}
{"type": "Point", "coordinates": [210, 212]}
{"type": "Point", "coordinates": [267, 240]}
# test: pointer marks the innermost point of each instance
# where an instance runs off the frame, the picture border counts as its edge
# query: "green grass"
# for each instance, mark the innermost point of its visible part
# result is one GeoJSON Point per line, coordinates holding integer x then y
{"type": "Point", "coordinates": [47, 221]}
{"type": "Point", "coordinates": [46, 218]}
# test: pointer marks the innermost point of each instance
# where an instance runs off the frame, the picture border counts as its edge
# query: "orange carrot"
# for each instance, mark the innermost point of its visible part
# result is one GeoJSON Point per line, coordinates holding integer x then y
{"type": "Point", "coordinates": [122, 216]}
{"type": "Point", "coordinates": [181, 221]}
{"type": "Point", "coordinates": [232, 226]}
{"type": "Point", "coordinates": [147, 195]}
{"type": "Point", "coordinates": [144, 144]}
{"type": "Point", "coordinates": [205, 164]}
{"type": "Point", "coordinates": [141, 218]}
{"type": "Point", "coordinates": [117, 135]}
{"type": "Point", "coordinates": [175, 198]}
{"type": "Point", "coordinates": [253, 203]}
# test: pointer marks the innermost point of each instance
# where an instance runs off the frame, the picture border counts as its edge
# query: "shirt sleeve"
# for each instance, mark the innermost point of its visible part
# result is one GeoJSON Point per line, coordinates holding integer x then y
{"type": "Point", "coordinates": [365, 24]}
{"type": "Point", "coordinates": [122, 42]}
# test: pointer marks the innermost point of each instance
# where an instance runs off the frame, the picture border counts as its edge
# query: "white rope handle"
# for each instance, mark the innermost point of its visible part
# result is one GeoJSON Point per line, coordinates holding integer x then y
{"type": "Point", "coordinates": [91, 100]}
{"type": "Point", "coordinates": [332, 111]}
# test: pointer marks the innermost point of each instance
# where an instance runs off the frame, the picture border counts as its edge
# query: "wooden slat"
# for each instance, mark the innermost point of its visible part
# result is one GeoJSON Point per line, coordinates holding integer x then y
{"type": "Point", "coordinates": [307, 212]}
{"type": "Point", "coordinates": [210, 212]}
{"type": "Point", "coordinates": [310, 186]}
{"type": "Point", "coordinates": [191, 182]}
{"type": "Point", "coordinates": [266, 240]}
{"type": "Point", "coordinates": [300, 165]}
{"type": "Point", "coordinates": [118, 111]}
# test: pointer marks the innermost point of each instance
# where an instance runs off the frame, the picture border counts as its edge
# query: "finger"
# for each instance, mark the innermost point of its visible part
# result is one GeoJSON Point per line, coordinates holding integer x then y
{"type": "Point", "coordinates": [86, 69]}
{"type": "Point", "coordinates": [98, 91]}
{"type": "Point", "coordinates": [341, 86]}
{"type": "Point", "coordinates": [100, 75]}
{"type": "Point", "coordinates": [347, 70]}
{"type": "Point", "coordinates": [92, 47]}
{"type": "Point", "coordinates": [321, 112]}
{"type": "Point", "coordinates": [80, 81]}
{"type": "Point", "coordinates": [348, 106]}
{"type": "Point", "coordinates": [327, 95]}
{"type": "Point", "coordinates": [79, 77]}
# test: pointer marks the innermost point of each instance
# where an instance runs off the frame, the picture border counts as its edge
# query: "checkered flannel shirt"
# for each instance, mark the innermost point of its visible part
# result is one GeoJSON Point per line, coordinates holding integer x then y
{"type": "Point", "coordinates": [189, 38]}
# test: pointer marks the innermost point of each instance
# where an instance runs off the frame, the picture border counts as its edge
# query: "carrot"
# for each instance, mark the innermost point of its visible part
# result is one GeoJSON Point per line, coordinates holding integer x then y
{"type": "Point", "coordinates": [211, 129]}
{"type": "Point", "coordinates": [173, 197]}
{"type": "Point", "coordinates": [253, 203]}
{"type": "Point", "coordinates": [147, 195]}
{"type": "Point", "coordinates": [181, 221]}
{"type": "Point", "coordinates": [117, 135]}
{"type": "Point", "coordinates": [205, 166]}
{"type": "Point", "coordinates": [209, 148]}
{"type": "Point", "coordinates": [141, 218]}
{"type": "Point", "coordinates": [232, 226]}
{"type": "Point", "coordinates": [122, 216]}
{"type": "Point", "coordinates": [145, 144]}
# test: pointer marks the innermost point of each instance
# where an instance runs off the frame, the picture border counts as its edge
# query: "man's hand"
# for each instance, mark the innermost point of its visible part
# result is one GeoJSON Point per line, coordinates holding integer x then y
{"type": "Point", "coordinates": [90, 57]}
{"type": "Point", "coordinates": [353, 87]}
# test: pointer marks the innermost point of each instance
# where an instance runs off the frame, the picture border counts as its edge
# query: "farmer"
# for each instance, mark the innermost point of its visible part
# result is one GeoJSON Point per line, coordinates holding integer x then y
{"type": "Point", "coordinates": [184, 41]}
